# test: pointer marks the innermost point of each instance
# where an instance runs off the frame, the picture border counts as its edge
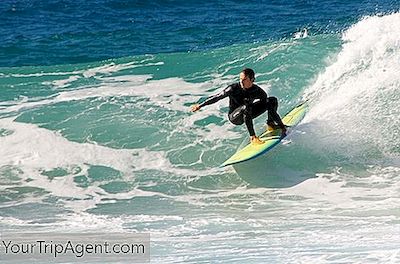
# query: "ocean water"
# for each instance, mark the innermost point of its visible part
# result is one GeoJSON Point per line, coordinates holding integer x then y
{"type": "Point", "coordinates": [96, 132]}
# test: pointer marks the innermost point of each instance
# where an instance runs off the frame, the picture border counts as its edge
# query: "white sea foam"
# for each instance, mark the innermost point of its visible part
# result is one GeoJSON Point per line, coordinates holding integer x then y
{"type": "Point", "coordinates": [32, 150]}
{"type": "Point", "coordinates": [267, 50]}
{"type": "Point", "coordinates": [301, 34]}
{"type": "Point", "coordinates": [162, 92]}
{"type": "Point", "coordinates": [96, 72]}
{"type": "Point", "coordinates": [356, 98]}
{"type": "Point", "coordinates": [63, 83]}
{"type": "Point", "coordinates": [107, 68]}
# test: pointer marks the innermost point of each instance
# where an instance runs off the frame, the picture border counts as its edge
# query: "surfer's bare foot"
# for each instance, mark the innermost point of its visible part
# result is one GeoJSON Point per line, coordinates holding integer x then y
{"type": "Point", "coordinates": [270, 128]}
{"type": "Point", "coordinates": [256, 140]}
{"type": "Point", "coordinates": [195, 107]}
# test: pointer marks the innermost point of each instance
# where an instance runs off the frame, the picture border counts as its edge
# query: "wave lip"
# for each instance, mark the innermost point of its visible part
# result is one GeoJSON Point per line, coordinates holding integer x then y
{"type": "Point", "coordinates": [355, 99]}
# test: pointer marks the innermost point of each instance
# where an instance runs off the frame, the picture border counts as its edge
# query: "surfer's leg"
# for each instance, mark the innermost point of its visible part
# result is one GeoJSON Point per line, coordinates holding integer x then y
{"type": "Point", "coordinates": [257, 109]}
{"type": "Point", "coordinates": [243, 114]}
{"type": "Point", "coordinates": [273, 116]}
{"type": "Point", "coordinates": [236, 116]}
{"type": "Point", "coordinates": [248, 119]}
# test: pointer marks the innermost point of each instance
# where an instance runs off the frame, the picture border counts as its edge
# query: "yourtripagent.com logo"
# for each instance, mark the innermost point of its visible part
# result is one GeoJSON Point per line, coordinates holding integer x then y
{"type": "Point", "coordinates": [72, 246]}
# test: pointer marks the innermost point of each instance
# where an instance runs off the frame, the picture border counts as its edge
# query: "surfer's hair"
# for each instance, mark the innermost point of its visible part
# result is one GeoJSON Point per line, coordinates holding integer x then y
{"type": "Point", "coordinates": [249, 73]}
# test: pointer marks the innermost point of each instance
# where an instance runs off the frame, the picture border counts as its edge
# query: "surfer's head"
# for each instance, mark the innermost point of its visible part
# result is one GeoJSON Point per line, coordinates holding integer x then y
{"type": "Point", "coordinates": [247, 77]}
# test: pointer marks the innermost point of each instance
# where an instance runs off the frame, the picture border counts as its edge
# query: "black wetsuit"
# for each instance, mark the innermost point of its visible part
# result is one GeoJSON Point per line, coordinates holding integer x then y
{"type": "Point", "coordinates": [246, 104]}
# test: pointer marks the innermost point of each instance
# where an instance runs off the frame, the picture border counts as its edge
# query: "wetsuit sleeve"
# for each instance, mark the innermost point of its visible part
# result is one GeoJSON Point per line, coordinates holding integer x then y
{"type": "Point", "coordinates": [215, 98]}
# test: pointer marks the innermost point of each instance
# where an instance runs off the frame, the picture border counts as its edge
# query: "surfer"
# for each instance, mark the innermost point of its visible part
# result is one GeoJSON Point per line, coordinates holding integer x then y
{"type": "Point", "coordinates": [246, 102]}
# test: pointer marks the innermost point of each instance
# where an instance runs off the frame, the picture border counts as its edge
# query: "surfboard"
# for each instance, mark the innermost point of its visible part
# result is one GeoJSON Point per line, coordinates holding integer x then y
{"type": "Point", "coordinates": [270, 138]}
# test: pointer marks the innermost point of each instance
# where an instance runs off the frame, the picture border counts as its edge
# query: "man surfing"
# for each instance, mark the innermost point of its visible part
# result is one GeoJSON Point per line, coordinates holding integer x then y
{"type": "Point", "coordinates": [246, 102]}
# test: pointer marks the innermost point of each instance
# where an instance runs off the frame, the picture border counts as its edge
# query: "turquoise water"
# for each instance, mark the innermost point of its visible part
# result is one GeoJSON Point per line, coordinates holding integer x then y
{"type": "Point", "coordinates": [111, 145]}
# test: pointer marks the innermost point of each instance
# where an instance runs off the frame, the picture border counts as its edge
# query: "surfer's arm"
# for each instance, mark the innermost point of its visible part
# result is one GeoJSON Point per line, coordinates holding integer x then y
{"type": "Point", "coordinates": [213, 99]}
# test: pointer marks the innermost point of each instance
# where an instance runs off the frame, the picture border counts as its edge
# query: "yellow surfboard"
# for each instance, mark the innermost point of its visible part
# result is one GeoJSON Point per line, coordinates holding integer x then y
{"type": "Point", "coordinates": [270, 138]}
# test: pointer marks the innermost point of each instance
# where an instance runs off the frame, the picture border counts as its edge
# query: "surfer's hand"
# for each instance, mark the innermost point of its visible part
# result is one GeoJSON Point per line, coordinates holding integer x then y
{"type": "Point", "coordinates": [256, 140]}
{"type": "Point", "coordinates": [195, 107]}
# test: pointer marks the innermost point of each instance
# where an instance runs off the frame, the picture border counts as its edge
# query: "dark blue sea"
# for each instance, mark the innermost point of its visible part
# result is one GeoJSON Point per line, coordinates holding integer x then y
{"type": "Point", "coordinates": [63, 32]}
{"type": "Point", "coordinates": [96, 133]}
